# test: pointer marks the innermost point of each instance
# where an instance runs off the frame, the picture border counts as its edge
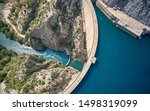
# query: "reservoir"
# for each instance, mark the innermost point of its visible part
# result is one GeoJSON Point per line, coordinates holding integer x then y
{"type": "Point", "coordinates": [123, 63]}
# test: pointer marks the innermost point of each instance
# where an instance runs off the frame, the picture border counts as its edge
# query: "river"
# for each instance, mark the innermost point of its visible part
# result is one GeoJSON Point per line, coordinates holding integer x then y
{"type": "Point", "coordinates": [46, 54]}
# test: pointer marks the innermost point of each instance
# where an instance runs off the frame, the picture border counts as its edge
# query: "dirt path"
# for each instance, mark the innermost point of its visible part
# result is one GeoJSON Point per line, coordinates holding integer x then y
{"type": "Point", "coordinates": [5, 10]}
{"type": "Point", "coordinates": [14, 28]}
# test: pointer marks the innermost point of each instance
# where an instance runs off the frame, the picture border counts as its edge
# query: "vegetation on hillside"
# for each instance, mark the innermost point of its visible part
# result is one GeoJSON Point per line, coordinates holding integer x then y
{"type": "Point", "coordinates": [4, 28]}
{"type": "Point", "coordinates": [5, 58]}
{"type": "Point", "coordinates": [30, 12]}
{"type": "Point", "coordinates": [44, 76]}
{"type": "Point", "coordinates": [8, 32]}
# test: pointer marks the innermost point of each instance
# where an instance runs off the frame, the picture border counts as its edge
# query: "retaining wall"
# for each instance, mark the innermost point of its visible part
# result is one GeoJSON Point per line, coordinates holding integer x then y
{"type": "Point", "coordinates": [91, 31]}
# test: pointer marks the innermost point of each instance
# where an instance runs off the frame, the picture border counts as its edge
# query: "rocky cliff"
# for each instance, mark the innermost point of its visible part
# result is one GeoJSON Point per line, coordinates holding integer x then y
{"type": "Point", "coordinates": [44, 76]}
{"type": "Point", "coordinates": [138, 9]}
{"type": "Point", "coordinates": [56, 24]}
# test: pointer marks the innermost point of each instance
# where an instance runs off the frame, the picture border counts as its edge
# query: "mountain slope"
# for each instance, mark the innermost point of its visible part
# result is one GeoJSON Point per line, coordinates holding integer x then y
{"type": "Point", "coordinates": [138, 9]}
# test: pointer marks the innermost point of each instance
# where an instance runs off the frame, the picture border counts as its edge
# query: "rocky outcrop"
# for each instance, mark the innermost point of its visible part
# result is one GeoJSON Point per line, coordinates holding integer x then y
{"type": "Point", "coordinates": [22, 13]}
{"type": "Point", "coordinates": [50, 35]}
{"type": "Point", "coordinates": [56, 24]}
{"type": "Point", "coordinates": [32, 74]}
{"type": "Point", "coordinates": [138, 9]}
{"type": "Point", "coordinates": [35, 43]}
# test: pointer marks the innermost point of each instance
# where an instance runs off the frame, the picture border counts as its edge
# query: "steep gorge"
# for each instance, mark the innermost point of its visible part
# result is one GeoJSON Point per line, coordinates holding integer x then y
{"type": "Point", "coordinates": [53, 24]}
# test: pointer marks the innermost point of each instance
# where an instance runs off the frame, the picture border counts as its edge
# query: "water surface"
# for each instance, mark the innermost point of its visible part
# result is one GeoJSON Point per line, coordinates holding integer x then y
{"type": "Point", "coordinates": [20, 49]}
{"type": "Point", "coordinates": [123, 63]}
{"type": "Point", "coordinates": [46, 54]}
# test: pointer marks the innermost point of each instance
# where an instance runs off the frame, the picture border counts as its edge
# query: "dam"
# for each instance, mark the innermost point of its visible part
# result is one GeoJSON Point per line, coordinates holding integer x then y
{"type": "Point", "coordinates": [123, 62]}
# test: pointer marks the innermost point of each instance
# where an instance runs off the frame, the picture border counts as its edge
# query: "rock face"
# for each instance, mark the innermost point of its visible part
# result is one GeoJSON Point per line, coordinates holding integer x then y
{"type": "Point", "coordinates": [56, 23]}
{"type": "Point", "coordinates": [22, 13]}
{"type": "Point", "coordinates": [138, 9]}
{"type": "Point", "coordinates": [32, 74]}
{"type": "Point", "coordinates": [62, 31]}
{"type": "Point", "coordinates": [50, 34]}
{"type": "Point", "coordinates": [25, 16]}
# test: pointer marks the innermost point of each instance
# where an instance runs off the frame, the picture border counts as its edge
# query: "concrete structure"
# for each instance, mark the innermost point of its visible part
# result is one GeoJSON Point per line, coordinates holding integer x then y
{"type": "Point", "coordinates": [91, 29]}
{"type": "Point", "coordinates": [89, 24]}
{"type": "Point", "coordinates": [122, 20]}
{"type": "Point", "coordinates": [91, 33]}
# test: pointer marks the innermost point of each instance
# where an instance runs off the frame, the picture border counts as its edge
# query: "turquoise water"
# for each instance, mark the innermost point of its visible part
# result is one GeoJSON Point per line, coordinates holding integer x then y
{"type": "Point", "coordinates": [20, 49]}
{"type": "Point", "coordinates": [76, 64]}
{"type": "Point", "coordinates": [123, 63]}
{"type": "Point", "coordinates": [47, 54]}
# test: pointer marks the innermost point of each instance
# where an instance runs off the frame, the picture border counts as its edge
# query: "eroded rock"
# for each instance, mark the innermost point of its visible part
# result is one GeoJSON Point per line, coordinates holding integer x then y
{"type": "Point", "coordinates": [138, 9]}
